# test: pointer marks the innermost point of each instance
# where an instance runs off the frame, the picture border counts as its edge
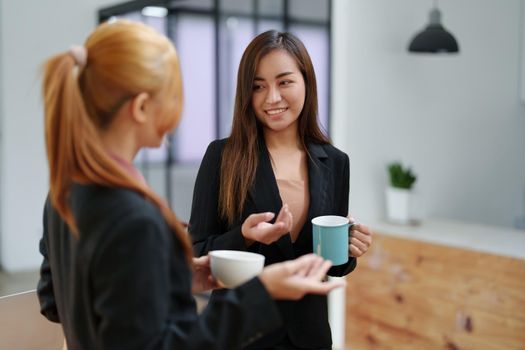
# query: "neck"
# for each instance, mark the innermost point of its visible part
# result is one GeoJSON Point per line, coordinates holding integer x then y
{"type": "Point", "coordinates": [117, 144]}
{"type": "Point", "coordinates": [283, 139]}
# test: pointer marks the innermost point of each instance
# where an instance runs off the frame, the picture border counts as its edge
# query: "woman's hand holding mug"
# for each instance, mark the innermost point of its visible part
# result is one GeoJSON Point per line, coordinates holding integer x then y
{"type": "Point", "coordinates": [360, 238]}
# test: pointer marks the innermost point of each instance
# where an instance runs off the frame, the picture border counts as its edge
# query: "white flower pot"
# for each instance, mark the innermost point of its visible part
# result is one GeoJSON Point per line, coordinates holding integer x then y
{"type": "Point", "coordinates": [399, 205]}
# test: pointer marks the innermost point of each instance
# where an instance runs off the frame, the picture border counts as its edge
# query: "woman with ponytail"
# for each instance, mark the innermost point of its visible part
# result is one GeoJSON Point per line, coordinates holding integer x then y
{"type": "Point", "coordinates": [117, 270]}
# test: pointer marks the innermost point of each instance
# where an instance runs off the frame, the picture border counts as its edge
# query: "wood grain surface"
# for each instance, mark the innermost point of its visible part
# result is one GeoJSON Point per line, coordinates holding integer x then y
{"type": "Point", "coordinates": [408, 294]}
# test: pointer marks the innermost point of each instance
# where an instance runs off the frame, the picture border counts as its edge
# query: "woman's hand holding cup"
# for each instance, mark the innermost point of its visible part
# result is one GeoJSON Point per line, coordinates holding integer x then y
{"type": "Point", "coordinates": [202, 279]}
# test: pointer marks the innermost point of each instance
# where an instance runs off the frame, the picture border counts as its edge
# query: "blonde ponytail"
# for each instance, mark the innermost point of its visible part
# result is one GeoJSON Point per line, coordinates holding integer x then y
{"type": "Point", "coordinates": [75, 111]}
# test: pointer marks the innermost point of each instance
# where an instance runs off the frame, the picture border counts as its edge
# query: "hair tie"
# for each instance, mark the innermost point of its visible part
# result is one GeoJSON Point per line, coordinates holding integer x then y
{"type": "Point", "coordinates": [79, 54]}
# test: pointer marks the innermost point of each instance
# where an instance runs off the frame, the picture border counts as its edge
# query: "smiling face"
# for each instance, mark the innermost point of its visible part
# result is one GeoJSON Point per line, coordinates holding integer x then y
{"type": "Point", "coordinates": [278, 91]}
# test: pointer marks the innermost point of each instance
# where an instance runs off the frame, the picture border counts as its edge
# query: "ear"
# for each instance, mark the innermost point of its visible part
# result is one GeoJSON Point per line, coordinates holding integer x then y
{"type": "Point", "coordinates": [140, 107]}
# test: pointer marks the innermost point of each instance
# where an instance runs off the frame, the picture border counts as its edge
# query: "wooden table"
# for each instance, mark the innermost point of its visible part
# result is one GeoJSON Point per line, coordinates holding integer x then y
{"type": "Point", "coordinates": [419, 292]}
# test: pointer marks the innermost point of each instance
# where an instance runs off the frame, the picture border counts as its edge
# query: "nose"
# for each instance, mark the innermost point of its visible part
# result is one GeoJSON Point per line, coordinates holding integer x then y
{"type": "Point", "coordinates": [273, 95]}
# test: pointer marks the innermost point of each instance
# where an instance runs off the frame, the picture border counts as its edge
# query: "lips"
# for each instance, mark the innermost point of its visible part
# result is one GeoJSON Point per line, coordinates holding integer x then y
{"type": "Point", "coordinates": [275, 111]}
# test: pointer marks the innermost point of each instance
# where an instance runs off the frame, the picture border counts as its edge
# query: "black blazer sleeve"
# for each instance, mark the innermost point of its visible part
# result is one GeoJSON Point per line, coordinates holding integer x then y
{"type": "Point", "coordinates": [132, 286]}
{"type": "Point", "coordinates": [341, 197]}
{"type": "Point", "coordinates": [46, 295]}
{"type": "Point", "coordinates": [207, 230]}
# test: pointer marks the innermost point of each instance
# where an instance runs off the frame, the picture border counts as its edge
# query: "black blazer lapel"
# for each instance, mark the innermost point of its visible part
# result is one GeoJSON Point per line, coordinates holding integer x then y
{"type": "Point", "coordinates": [265, 196]}
{"type": "Point", "coordinates": [318, 178]}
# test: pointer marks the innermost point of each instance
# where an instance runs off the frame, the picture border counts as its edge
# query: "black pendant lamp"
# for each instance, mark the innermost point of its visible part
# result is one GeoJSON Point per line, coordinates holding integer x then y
{"type": "Point", "coordinates": [435, 38]}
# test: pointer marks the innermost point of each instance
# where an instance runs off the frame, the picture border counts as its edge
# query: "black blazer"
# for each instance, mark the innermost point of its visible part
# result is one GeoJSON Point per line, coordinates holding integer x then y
{"type": "Point", "coordinates": [306, 320]}
{"type": "Point", "coordinates": [125, 283]}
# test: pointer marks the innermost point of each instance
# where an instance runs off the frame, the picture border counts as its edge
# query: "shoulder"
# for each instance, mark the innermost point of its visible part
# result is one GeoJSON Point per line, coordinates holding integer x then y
{"type": "Point", "coordinates": [118, 221]}
{"type": "Point", "coordinates": [98, 208]}
{"type": "Point", "coordinates": [119, 199]}
{"type": "Point", "coordinates": [328, 151]}
{"type": "Point", "coordinates": [335, 152]}
{"type": "Point", "coordinates": [216, 146]}
{"type": "Point", "coordinates": [213, 154]}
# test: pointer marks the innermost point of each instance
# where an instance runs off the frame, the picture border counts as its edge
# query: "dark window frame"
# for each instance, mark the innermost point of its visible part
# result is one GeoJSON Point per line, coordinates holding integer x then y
{"type": "Point", "coordinates": [176, 7]}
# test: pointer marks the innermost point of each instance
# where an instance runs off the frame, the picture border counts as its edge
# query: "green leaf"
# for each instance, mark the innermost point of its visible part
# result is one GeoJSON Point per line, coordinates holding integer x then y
{"type": "Point", "coordinates": [401, 177]}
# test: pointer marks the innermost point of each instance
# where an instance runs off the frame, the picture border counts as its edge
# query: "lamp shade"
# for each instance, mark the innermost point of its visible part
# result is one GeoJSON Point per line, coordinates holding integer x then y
{"type": "Point", "coordinates": [434, 39]}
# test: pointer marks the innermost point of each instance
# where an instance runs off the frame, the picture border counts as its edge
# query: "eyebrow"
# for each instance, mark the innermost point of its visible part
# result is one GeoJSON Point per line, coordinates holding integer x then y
{"type": "Point", "coordinates": [280, 75]}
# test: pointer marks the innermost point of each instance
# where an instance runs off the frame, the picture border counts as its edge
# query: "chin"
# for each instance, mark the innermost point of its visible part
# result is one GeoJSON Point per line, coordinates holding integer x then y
{"type": "Point", "coordinates": [278, 125]}
{"type": "Point", "coordinates": [277, 128]}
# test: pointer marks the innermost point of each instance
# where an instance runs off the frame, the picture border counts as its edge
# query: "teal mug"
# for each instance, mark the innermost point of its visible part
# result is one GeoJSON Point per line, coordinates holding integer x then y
{"type": "Point", "coordinates": [330, 238]}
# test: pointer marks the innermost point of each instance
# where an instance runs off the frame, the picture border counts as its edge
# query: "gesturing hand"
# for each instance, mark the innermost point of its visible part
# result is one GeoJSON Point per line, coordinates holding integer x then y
{"type": "Point", "coordinates": [291, 280]}
{"type": "Point", "coordinates": [257, 228]}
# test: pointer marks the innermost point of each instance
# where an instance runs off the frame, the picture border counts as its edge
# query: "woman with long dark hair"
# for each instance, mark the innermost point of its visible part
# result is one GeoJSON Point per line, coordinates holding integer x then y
{"type": "Point", "coordinates": [118, 271]}
{"type": "Point", "coordinates": [276, 160]}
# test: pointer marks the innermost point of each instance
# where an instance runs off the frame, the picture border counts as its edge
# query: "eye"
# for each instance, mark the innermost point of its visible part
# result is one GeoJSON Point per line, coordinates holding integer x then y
{"type": "Point", "coordinates": [285, 82]}
{"type": "Point", "coordinates": [257, 87]}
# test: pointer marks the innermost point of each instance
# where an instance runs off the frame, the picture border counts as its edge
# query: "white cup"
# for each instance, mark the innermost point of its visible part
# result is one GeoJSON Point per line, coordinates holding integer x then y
{"type": "Point", "coordinates": [233, 267]}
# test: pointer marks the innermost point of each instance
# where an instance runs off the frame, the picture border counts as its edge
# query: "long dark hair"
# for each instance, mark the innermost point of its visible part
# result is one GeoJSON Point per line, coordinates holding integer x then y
{"type": "Point", "coordinates": [241, 149]}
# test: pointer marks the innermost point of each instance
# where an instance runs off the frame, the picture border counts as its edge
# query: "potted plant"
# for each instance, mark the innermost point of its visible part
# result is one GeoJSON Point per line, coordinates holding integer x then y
{"type": "Point", "coordinates": [399, 193]}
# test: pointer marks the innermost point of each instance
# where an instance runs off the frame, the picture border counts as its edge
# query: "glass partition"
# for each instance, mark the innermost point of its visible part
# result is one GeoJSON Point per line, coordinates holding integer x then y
{"type": "Point", "coordinates": [211, 36]}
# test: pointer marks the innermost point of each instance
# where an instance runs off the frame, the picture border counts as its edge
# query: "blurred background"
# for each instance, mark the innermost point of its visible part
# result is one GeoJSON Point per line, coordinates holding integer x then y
{"type": "Point", "coordinates": [456, 119]}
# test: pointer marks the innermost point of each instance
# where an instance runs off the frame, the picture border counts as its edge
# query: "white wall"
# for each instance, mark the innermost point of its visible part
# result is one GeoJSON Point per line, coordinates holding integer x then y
{"type": "Point", "coordinates": [523, 50]}
{"type": "Point", "coordinates": [1, 114]}
{"type": "Point", "coordinates": [30, 31]}
{"type": "Point", "coordinates": [457, 119]}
